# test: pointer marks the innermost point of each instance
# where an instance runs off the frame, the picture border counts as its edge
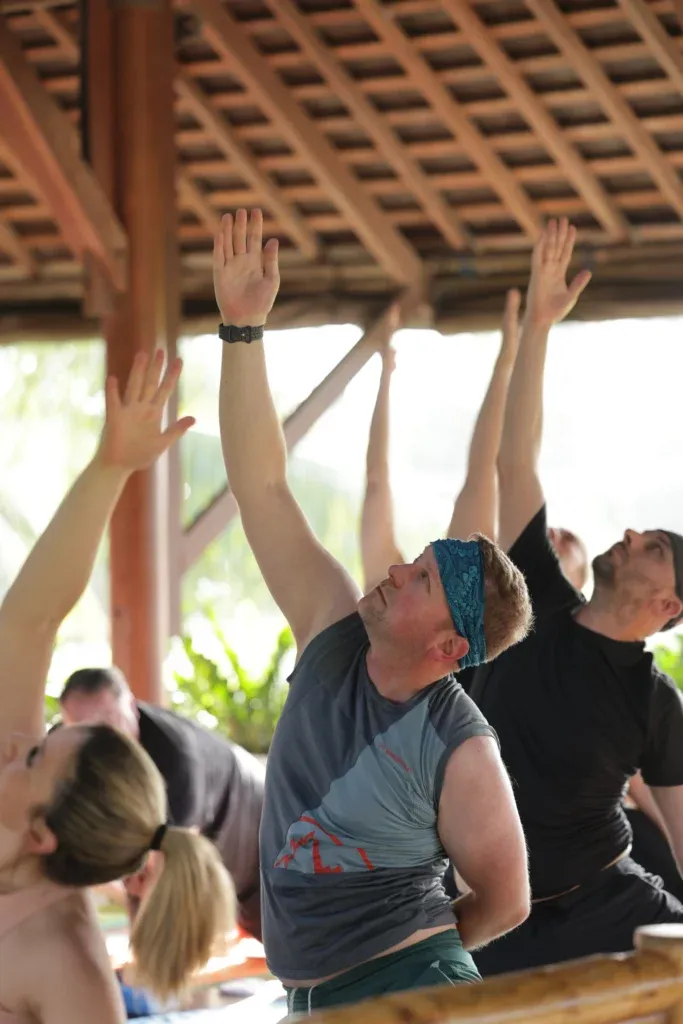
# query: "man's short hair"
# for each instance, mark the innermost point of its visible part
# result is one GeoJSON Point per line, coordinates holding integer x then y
{"type": "Point", "coordinates": [508, 615]}
{"type": "Point", "coordinates": [90, 681]}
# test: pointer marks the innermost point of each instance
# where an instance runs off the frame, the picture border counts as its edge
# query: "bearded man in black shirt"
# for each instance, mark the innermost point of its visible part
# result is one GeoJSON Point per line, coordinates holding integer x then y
{"type": "Point", "coordinates": [212, 784]}
{"type": "Point", "coordinates": [579, 706]}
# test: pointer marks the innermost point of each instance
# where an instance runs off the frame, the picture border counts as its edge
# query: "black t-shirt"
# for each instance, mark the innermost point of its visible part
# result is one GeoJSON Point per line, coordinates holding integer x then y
{"type": "Point", "coordinates": [576, 714]}
{"type": "Point", "coordinates": [200, 768]}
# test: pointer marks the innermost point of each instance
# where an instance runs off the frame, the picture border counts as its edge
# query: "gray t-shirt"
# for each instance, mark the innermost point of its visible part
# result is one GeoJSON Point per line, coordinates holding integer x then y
{"type": "Point", "coordinates": [351, 860]}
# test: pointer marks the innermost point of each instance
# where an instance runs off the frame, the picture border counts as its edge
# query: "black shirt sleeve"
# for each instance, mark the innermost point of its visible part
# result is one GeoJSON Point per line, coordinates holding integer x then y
{"type": "Point", "coordinates": [662, 761]}
{"type": "Point", "coordinates": [535, 556]}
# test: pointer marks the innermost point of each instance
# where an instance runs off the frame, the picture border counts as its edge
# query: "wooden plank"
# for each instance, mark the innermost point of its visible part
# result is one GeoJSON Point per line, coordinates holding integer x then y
{"type": "Point", "coordinates": [578, 171]}
{"type": "Point", "coordinates": [444, 217]}
{"type": "Point", "coordinates": [650, 29]}
{"type": "Point", "coordinates": [231, 42]}
{"type": "Point", "coordinates": [44, 143]}
{"type": "Point", "coordinates": [615, 106]}
{"type": "Point", "coordinates": [455, 117]}
{"type": "Point", "coordinates": [136, 140]}
{"type": "Point", "coordinates": [191, 196]}
{"type": "Point", "coordinates": [210, 523]}
{"type": "Point", "coordinates": [245, 164]}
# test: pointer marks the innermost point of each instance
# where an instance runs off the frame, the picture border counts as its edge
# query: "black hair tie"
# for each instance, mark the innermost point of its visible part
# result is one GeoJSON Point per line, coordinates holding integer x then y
{"type": "Point", "coordinates": [158, 837]}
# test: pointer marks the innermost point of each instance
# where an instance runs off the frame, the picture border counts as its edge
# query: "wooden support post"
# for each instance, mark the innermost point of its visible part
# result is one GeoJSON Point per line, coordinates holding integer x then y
{"type": "Point", "coordinates": [130, 114]}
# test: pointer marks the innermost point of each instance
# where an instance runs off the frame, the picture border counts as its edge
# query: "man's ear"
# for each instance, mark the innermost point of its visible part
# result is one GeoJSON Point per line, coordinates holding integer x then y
{"type": "Point", "coordinates": [671, 608]}
{"type": "Point", "coordinates": [451, 648]}
{"type": "Point", "coordinates": [41, 840]}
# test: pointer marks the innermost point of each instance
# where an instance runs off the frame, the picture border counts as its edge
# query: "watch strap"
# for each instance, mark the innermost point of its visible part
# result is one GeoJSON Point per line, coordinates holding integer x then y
{"type": "Point", "coordinates": [232, 334]}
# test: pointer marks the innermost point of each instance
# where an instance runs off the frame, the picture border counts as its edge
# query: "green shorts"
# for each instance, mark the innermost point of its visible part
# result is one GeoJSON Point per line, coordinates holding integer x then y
{"type": "Point", "coordinates": [439, 960]}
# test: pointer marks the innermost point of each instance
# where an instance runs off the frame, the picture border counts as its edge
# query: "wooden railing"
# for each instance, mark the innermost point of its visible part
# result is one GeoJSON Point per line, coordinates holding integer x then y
{"type": "Point", "coordinates": [643, 986]}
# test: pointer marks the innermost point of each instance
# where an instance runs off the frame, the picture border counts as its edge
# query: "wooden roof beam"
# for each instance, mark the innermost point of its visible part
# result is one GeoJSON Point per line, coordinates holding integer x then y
{"type": "Point", "coordinates": [648, 26]}
{"type": "Point", "coordinates": [381, 238]}
{"type": "Point", "coordinates": [12, 244]}
{"type": "Point", "coordinates": [613, 103]}
{"type": "Point", "coordinates": [216, 517]}
{"type": "Point", "coordinates": [44, 143]}
{"type": "Point", "coordinates": [243, 161]}
{"type": "Point", "coordinates": [578, 171]}
{"type": "Point", "coordinates": [195, 200]}
{"type": "Point", "coordinates": [454, 116]}
{"type": "Point", "coordinates": [386, 140]}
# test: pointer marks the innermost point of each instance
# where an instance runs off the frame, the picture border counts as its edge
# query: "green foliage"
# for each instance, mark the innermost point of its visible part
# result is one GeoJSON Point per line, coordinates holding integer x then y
{"type": "Point", "coordinates": [670, 660]}
{"type": "Point", "coordinates": [244, 707]}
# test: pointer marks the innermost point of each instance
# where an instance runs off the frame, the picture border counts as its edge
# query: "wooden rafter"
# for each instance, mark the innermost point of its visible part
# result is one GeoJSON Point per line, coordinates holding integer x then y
{"type": "Point", "coordinates": [497, 174]}
{"type": "Point", "coordinates": [244, 163]}
{"type": "Point", "coordinates": [214, 519]}
{"type": "Point", "coordinates": [577, 169]}
{"type": "Point", "coordinates": [444, 217]}
{"type": "Point", "coordinates": [622, 115]}
{"type": "Point", "coordinates": [59, 32]}
{"type": "Point", "coordinates": [196, 200]}
{"type": "Point", "coordinates": [387, 244]}
{"type": "Point", "coordinates": [651, 30]}
{"type": "Point", "coordinates": [44, 143]}
{"type": "Point", "coordinates": [12, 244]}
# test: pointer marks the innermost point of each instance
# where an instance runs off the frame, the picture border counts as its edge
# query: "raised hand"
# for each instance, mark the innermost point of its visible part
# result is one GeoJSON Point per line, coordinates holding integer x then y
{"type": "Point", "coordinates": [133, 437]}
{"type": "Point", "coordinates": [245, 273]}
{"type": "Point", "coordinates": [511, 324]}
{"type": "Point", "coordinates": [550, 298]}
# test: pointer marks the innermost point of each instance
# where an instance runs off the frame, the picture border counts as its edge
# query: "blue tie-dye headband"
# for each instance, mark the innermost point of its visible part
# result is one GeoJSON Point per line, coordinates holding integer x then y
{"type": "Point", "coordinates": [461, 568]}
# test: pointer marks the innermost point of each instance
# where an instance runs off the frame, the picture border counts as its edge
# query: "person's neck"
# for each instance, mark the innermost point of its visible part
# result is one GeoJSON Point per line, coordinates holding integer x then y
{"type": "Point", "coordinates": [397, 679]}
{"type": "Point", "coordinates": [21, 875]}
{"type": "Point", "coordinates": [599, 617]}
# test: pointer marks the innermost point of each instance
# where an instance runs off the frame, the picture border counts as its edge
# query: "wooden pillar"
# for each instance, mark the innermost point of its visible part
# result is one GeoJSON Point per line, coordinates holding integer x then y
{"type": "Point", "coordinates": [129, 72]}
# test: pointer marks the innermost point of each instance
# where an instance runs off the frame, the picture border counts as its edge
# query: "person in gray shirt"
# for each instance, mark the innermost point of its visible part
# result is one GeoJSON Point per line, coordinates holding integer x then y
{"type": "Point", "coordinates": [381, 767]}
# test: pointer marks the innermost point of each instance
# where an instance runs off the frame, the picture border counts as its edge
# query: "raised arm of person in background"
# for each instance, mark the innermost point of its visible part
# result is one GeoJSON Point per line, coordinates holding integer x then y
{"type": "Point", "coordinates": [476, 507]}
{"type": "Point", "coordinates": [378, 545]}
{"type": "Point", "coordinates": [58, 568]}
{"type": "Point", "coordinates": [310, 587]}
{"type": "Point", "coordinates": [549, 300]}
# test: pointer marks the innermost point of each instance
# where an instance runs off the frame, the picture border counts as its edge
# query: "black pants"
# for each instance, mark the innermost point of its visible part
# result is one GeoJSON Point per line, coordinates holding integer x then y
{"type": "Point", "coordinates": [651, 850]}
{"type": "Point", "coordinates": [598, 917]}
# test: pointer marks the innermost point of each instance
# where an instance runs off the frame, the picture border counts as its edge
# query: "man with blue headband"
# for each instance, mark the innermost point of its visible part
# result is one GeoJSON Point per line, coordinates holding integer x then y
{"type": "Point", "coordinates": [381, 767]}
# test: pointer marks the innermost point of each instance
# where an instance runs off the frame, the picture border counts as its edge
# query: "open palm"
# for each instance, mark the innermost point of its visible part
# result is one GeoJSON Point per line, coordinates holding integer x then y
{"type": "Point", "coordinates": [550, 298]}
{"type": "Point", "coordinates": [245, 274]}
{"type": "Point", "coordinates": [133, 436]}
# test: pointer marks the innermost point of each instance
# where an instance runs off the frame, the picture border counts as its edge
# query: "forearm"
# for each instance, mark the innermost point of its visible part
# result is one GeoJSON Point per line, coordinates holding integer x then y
{"type": "Point", "coordinates": [251, 435]}
{"type": "Point", "coordinates": [476, 507]}
{"type": "Point", "coordinates": [377, 462]}
{"type": "Point", "coordinates": [523, 420]}
{"type": "Point", "coordinates": [56, 573]}
{"type": "Point", "coordinates": [481, 920]}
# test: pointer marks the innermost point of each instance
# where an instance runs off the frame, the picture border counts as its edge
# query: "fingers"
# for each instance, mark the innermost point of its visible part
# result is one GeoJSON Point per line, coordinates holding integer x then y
{"type": "Point", "coordinates": [513, 301]}
{"type": "Point", "coordinates": [226, 230]}
{"type": "Point", "coordinates": [255, 232]}
{"type": "Point", "coordinates": [270, 263]}
{"type": "Point", "coordinates": [169, 383]}
{"type": "Point", "coordinates": [239, 233]}
{"type": "Point", "coordinates": [578, 285]}
{"type": "Point", "coordinates": [154, 368]}
{"type": "Point", "coordinates": [136, 379]}
{"type": "Point", "coordinates": [177, 430]}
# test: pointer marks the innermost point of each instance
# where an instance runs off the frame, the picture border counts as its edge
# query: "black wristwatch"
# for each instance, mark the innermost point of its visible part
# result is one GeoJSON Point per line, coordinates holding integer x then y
{"type": "Point", "coordinates": [231, 334]}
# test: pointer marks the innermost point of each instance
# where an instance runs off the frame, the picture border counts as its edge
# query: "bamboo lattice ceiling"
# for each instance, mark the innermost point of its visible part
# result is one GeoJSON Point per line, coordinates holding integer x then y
{"type": "Point", "coordinates": [391, 141]}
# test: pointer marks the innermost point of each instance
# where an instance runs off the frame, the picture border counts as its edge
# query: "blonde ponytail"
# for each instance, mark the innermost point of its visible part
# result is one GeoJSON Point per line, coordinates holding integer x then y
{"type": "Point", "coordinates": [191, 907]}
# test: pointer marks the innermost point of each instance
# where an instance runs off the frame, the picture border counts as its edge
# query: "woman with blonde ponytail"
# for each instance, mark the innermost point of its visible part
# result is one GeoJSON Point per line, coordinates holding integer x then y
{"type": "Point", "coordinates": [86, 805]}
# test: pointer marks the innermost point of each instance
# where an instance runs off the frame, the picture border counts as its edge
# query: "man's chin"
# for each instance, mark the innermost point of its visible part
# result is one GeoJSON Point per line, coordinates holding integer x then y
{"type": "Point", "coordinates": [603, 570]}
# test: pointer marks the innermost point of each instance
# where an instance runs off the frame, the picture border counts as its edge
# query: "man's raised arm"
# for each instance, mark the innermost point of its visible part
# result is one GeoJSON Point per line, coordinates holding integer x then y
{"type": "Point", "coordinates": [476, 507]}
{"type": "Point", "coordinates": [310, 587]}
{"type": "Point", "coordinates": [549, 300]}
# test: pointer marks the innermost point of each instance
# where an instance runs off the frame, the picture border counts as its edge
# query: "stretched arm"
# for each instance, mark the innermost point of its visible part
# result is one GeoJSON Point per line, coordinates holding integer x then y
{"type": "Point", "coordinates": [310, 587]}
{"type": "Point", "coordinates": [549, 300]}
{"type": "Point", "coordinates": [476, 507]}
{"type": "Point", "coordinates": [58, 568]}
{"type": "Point", "coordinates": [379, 548]}
{"type": "Point", "coordinates": [482, 834]}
